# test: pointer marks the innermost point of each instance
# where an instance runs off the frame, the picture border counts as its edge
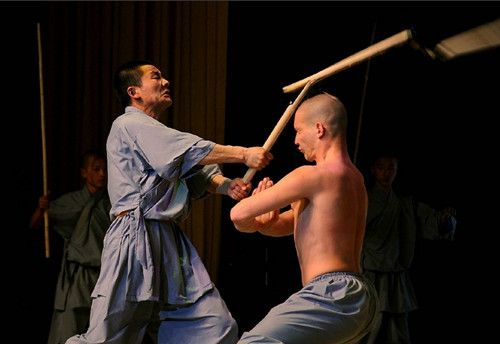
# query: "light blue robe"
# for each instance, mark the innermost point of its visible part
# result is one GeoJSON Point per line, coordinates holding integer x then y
{"type": "Point", "coordinates": [151, 275]}
{"type": "Point", "coordinates": [150, 170]}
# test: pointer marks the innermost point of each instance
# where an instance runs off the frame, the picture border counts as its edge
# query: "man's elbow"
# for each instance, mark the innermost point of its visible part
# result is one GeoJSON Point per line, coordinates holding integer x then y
{"type": "Point", "coordinates": [235, 216]}
{"type": "Point", "coordinates": [239, 221]}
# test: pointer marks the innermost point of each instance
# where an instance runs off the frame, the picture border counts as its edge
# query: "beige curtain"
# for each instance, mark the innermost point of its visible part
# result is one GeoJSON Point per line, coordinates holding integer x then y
{"type": "Point", "coordinates": [83, 44]}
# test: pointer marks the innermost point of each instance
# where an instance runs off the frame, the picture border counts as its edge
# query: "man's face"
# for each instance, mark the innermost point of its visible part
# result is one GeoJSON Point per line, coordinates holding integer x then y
{"type": "Point", "coordinates": [384, 171]}
{"type": "Point", "coordinates": [305, 136]}
{"type": "Point", "coordinates": [154, 91]}
{"type": "Point", "coordinates": [95, 174]}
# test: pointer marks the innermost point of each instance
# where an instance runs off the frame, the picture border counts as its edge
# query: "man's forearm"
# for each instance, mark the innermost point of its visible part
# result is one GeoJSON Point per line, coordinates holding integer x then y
{"type": "Point", "coordinates": [225, 154]}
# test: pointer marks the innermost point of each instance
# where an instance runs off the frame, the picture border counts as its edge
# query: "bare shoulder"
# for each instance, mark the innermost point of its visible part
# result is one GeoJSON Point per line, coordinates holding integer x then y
{"type": "Point", "coordinates": [300, 180]}
{"type": "Point", "coordinates": [319, 176]}
{"type": "Point", "coordinates": [311, 177]}
{"type": "Point", "coordinates": [306, 173]}
{"type": "Point", "coordinates": [305, 169]}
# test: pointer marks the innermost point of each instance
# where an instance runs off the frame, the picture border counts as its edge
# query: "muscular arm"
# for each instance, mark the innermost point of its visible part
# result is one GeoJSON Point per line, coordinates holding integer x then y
{"type": "Point", "coordinates": [254, 157]}
{"type": "Point", "coordinates": [260, 212]}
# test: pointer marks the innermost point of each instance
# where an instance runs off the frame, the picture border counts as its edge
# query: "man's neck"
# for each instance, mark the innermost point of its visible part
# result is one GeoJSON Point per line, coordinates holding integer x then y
{"type": "Point", "coordinates": [385, 188]}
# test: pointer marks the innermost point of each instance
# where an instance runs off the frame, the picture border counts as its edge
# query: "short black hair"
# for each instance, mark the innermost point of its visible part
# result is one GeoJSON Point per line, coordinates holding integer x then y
{"type": "Point", "coordinates": [92, 153]}
{"type": "Point", "coordinates": [128, 74]}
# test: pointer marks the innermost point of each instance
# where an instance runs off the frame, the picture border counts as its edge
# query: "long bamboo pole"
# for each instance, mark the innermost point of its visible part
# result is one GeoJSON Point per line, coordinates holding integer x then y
{"type": "Point", "coordinates": [44, 150]}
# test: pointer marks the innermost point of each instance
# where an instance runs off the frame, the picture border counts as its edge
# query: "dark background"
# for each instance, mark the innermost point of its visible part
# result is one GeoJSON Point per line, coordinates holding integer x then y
{"type": "Point", "coordinates": [440, 117]}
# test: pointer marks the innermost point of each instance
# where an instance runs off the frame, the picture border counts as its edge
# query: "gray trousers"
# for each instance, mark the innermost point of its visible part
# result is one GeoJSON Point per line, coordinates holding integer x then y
{"type": "Point", "coordinates": [337, 307]}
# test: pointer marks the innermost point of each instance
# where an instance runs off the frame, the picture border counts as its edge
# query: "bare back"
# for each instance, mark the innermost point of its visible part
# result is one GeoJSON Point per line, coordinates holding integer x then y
{"type": "Point", "coordinates": [330, 221]}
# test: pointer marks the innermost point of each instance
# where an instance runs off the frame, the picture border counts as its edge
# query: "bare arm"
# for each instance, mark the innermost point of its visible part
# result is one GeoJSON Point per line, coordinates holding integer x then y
{"type": "Point", "coordinates": [261, 211]}
{"type": "Point", "coordinates": [254, 157]}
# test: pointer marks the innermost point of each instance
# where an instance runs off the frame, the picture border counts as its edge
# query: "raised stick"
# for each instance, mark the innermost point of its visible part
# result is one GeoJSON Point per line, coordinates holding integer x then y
{"type": "Point", "coordinates": [306, 83]}
{"type": "Point", "coordinates": [290, 110]}
{"type": "Point", "coordinates": [44, 154]}
{"type": "Point", "coordinates": [365, 54]}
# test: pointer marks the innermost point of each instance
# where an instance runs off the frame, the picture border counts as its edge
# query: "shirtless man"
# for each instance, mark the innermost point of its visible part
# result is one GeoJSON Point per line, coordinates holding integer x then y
{"type": "Point", "coordinates": [327, 218]}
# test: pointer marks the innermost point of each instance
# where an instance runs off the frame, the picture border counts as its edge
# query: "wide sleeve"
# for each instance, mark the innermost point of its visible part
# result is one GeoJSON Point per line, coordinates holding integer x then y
{"type": "Point", "coordinates": [170, 152]}
{"type": "Point", "coordinates": [65, 211]}
{"type": "Point", "coordinates": [428, 221]}
{"type": "Point", "coordinates": [200, 178]}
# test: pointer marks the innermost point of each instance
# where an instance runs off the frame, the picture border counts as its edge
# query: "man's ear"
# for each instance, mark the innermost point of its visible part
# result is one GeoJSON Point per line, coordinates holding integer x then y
{"type": "Point", "coordinates": [133, 91]}
{"type": "Point", "coordinates": [320, 129]}
{"type": "Point", "coordinates": [83, 173]}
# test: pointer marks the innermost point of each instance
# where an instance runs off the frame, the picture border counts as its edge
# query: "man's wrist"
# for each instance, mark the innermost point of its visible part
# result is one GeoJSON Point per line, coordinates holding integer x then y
{"type": "Point", "coordinates": [223, 187]}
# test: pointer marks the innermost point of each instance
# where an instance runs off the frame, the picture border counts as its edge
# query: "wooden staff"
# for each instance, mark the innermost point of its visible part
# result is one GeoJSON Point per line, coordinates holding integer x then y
{"type": "Point", "coordinates": [290, 110]}
{"type": "Point", "coordinates": [44, 154]}
{"type": "Point", "coordinates": [363, 55]}
{"type": "Point", "coordinates": [306, 83]}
